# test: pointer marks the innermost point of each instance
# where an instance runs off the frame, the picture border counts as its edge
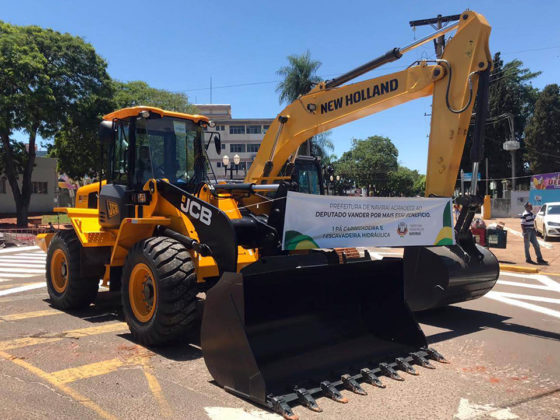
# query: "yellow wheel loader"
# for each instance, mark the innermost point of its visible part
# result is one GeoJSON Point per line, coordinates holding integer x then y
{"type": "Point", "coordinates": [279, 327]}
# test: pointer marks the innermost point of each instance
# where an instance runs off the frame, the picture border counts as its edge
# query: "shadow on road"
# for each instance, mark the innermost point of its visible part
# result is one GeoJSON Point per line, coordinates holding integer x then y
{"type": "Point", "coordinates": [106, 308]}
{"type": "Point", "coordinates": [461, 321]}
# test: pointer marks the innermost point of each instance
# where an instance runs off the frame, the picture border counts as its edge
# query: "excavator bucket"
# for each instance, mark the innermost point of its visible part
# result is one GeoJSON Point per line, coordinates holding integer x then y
{"type": "Point", "coordinates": [439, 276]}
{"type": "Point", "coordinates": [288, 329]}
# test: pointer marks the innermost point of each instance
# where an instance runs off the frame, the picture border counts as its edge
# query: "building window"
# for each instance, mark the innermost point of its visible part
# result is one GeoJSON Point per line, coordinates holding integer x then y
{"type": "Point", "coordinates": [223, 146]}
{"type": "Point", "coordinates": [3, 185]}
{"type": "Point", "coordinates": [236, 129]}
{"type": "Point", "coordinates": [39, 187]}
{"type": "Point", "coordinates": [237, 148]}
{"type": "Point", "coordinates": [218, 164]}
{"type": "Point", "coordinates": [253, 148]}
{"type": "Point", "coordinates": [220, 127]}
{"type": "Point", "coordinates": [253, 129]}
{"type": "Point", "coordinates": [265, 128]}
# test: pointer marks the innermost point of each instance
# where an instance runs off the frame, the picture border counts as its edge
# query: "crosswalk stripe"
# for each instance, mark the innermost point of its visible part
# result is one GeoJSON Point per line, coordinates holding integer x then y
{"type": "Point", "coordinates": [22, 270]}
{"type": "Point", "coordinates": [529, 297]}
{"type": "Point", "coordinates": [516, 284]}
{"type": "Point", "coordinates": [29, 255]}
{"type": "Point", "coordinates": [37, 265]}
{"type": "Point", "coordinates": [78, 333]}
{"type": "Point", "coordinates": [21, 260]}
{"type": "Point", "coordinates": [514, 302]}
{"type": "Point", "coordinates": [19, 275]}
{"type": "Point", "coordinates": [19, 249]}
{"type": "Point", "coordinates": [22, 289]}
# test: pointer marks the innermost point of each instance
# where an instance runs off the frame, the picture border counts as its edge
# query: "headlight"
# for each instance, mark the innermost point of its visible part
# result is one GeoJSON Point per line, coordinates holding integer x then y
{"type": "Point", "coordinates": [553, 224]}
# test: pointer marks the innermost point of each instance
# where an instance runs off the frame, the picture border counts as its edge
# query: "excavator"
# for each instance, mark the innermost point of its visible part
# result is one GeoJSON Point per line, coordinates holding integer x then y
{"type": "Point", "coordinates": [279, 328]}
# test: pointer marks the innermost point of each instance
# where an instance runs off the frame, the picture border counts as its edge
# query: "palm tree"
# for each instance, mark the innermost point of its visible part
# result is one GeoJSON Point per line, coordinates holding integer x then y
{"type": "Point", "coordinates": [299, 78]}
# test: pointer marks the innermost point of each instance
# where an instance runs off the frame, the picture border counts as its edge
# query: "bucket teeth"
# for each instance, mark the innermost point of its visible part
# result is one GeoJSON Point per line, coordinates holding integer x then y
{"type": "Point", "coordinates": [331, 392]}
{"type": "Point", "coordinates": [307, 400]}
{"type": "Point", "coordinates": [433, 354]}
{"type": "Point", "coordinates": [390, 372]}
{"type": "Point", "coordinates": [371, 378]}
{"type": "Point", "coordinates": [351, 384]}
{"type": "Point", "coordinates": [280, 406]}
{"type": "Point", "coordinates": [421, 360]}
{"type": "Point", "coordinates": [404, 365]}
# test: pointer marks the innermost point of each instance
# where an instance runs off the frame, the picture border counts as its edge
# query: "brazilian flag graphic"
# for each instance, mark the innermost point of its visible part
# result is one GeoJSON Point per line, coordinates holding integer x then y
{"type": "Point", "coordinates": [445, 235]}
{"type": "Point", "coordinates": [295, 240]}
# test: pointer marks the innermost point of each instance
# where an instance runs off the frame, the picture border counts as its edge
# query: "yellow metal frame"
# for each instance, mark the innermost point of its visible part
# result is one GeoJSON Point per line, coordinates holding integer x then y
{"type": "Point", "coordinates": [322, 109]}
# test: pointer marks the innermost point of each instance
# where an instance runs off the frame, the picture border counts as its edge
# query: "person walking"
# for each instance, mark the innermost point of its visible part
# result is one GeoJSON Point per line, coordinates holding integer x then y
{"type": "Point", "coordinates": [530, 235]}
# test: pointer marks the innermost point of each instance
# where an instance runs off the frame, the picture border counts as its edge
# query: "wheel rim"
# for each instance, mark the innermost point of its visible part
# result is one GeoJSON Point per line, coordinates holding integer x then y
{"type": "Point", "coordinates": [142, 292]}
{"type": "Point", "coordinates": [59, 271]}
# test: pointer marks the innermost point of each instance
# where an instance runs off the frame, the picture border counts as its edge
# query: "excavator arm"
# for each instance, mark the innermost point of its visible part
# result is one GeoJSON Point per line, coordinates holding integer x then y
{"type": "Point", "coordinates": [451, 80]}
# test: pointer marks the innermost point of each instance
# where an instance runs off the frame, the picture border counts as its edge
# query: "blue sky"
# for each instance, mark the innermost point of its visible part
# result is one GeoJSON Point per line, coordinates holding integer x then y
{"type": "Point", "coordinates": [180, 45]}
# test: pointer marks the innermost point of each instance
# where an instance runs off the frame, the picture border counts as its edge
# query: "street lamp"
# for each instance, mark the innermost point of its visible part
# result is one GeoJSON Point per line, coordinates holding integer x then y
{"type": "Point", "coordinates": [226, 162]}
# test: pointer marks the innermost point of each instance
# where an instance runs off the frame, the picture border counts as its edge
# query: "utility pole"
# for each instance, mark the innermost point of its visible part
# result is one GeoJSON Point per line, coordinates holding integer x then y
{"type": "Point", "coordinates": [436, 23]}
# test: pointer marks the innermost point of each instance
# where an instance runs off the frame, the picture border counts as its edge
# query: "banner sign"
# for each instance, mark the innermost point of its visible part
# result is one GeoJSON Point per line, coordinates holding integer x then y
{"type": "Point", "coordinates": [315, 221]}
{"type": "Point", "coordinates": [546, 181]}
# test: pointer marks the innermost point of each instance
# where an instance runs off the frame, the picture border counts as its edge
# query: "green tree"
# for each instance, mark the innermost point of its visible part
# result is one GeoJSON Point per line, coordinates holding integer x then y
{"type": "Point", "coordinates": [369, 163]}
{"type": "Point", "coordinates": [299, 77]}
{"type": "Point", "coordinates": [140, 93]}
{"type": "Point", "coordinates": [542, 134]}
{"type": "Point", "coordinates": [43, 75]}
{"type": "Point", "coordinates": [510, 92]}
{"type": "Point", "coordinates": [406, 182]}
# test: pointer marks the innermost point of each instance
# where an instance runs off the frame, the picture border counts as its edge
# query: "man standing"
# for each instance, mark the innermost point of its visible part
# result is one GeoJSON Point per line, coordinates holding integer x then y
{"type": "Point", "coordinates": [530, 235]}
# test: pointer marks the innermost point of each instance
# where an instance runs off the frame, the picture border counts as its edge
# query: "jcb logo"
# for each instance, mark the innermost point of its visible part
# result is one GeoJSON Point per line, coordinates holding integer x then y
{"type": "Point", "coordinates": [196, 210]}
{"type": "Point", "coordinates": [112, 209]}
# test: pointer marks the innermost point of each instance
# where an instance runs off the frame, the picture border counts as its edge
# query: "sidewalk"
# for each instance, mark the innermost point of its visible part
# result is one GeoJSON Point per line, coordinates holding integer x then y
{"type": "Point", "coordinates": [514, 254]}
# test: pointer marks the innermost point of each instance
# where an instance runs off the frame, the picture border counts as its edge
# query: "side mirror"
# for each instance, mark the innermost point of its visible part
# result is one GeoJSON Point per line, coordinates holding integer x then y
{"type": "Point", "coordinates": [106, 132]}
{"type": "Point", "coordinates": [218, 143]}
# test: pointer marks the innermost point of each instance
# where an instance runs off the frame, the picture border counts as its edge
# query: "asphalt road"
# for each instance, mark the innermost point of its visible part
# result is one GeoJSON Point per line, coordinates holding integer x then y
{"type": "Point", "coordinates": [504, 353]}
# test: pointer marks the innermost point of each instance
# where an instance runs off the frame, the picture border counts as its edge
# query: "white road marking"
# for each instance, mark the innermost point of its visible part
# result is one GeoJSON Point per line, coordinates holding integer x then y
{"type": "Point", "coordinates": [21, 270]}
{"type": "Point", "coordinates": [228, 413]}
{"type": "Point", "coordinates": [30, 255]}
{"type": "Point", "coordinates": [516, 284]}
{"type": "Point", "coordinates": [541, 243]}
{"type": "Point", "coordinates": [468, 410]}
{"type": "Point", "coordinates": [19, 249]}
{"type": "Point", "coordinates": [19, 263]}
{"type": "Point", "coordinates": [529, 297]}
{"type": "Point", "coordinates": [514, 302]}
{"type": "Point", "coordinates": [22, 288]}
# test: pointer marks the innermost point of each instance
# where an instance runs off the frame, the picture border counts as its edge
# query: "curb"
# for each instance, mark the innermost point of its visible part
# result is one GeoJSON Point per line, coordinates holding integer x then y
{"type": "Point", "coordinates": [518, 269]}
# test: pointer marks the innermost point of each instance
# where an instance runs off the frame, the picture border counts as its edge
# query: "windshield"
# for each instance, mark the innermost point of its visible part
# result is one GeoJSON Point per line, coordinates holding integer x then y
{"type": "Point", "coordinates": [167, 148]}
{"type": "Point", "coordinates": [308, 180]}
{"type": "Point", "coordinates": [553, 210]}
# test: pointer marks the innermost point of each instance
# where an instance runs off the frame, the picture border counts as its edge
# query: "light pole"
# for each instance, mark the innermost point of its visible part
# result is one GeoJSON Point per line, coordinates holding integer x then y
{"type": "Point", "coordinates": [236, 160]}
{"type": "Point", "coordinates": [511, 146]}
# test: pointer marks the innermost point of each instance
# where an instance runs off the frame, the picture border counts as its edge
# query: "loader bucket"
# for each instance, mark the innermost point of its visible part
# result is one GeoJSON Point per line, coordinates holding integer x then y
{"type": "Point", "coordinates": [439, 276]}
{"type": "Point", "coordinates": [288, 328]}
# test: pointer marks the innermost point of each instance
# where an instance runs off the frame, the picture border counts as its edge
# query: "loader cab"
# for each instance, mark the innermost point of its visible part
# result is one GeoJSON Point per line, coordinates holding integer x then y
{"type": "Point", "coordinates": [308, 175]}
{"type": "Point", "coordinates": [143, 145]}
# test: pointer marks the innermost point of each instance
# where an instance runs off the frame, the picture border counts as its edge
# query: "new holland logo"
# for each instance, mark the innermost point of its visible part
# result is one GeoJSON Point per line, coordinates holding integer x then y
{"type": "Point", "coordinates": [402, 229]}
{"type": "Point", "coordinates": [196, 210]}
{"type": "Point", "coordinates": [112, 209]}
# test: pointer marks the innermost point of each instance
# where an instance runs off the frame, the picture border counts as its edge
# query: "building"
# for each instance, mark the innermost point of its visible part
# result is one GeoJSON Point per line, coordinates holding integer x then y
{"type": "Point", "coordinates": [240, 136]}
{"type": "Point", "coordinates": [43, 184]}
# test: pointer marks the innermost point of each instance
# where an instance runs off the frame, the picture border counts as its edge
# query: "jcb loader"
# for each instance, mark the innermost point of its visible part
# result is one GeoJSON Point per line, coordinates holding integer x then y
{"type": "Point", "coordinates": [279, 327]}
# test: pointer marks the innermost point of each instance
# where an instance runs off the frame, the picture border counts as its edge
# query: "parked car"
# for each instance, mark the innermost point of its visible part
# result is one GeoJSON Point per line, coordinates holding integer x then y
{"type": "Point", "coordinates": [547, 221]}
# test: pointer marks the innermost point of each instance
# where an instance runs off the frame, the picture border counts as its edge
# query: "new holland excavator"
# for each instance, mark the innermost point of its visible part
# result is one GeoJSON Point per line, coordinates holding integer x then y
{"type": "Point", "coordinates": [278, 327]}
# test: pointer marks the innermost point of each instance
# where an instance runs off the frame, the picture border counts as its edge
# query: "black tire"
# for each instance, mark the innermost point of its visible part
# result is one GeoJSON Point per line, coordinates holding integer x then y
{"type": "Point", "coordinates": [79, 291]}
{"type": "Point", "coordinates": [175, 313]}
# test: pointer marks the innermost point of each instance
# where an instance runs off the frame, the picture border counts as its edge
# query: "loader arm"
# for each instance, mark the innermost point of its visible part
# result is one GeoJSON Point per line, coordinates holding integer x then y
{"type": "Point", "coordinates": [452, 81]}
